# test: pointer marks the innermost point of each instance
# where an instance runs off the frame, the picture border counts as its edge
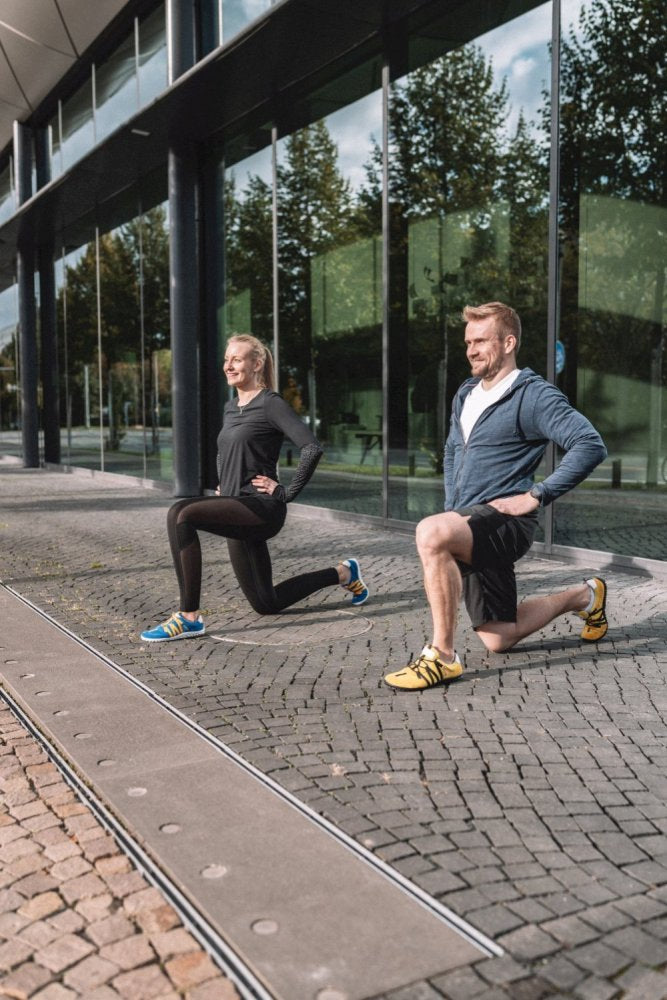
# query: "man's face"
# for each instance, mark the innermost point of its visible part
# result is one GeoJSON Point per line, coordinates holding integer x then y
{"type": "Point", "coordinates": [485, 350]}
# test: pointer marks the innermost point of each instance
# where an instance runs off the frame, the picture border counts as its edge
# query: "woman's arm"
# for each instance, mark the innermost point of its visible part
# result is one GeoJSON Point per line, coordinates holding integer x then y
{"type": "Point", "coordinates": [308, 459]}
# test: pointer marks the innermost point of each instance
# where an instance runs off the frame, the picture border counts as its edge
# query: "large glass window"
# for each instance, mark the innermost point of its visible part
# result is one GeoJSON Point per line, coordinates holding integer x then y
{"type": "Point", "coordinates": [152, 32]}
{"type": "Point", "coordinates": [613, 225]}
{"type": "Point", "coordinates": [79, 368]}
{"type": "Point", "coordinates": [150, 248]}
{"type": "Point", "coordinates": [10, 400]}
{"type": "Point", "coordinates": [330, 286]}
{"type": "Point", "coordinates": [114, 345]}
{"type": "Point", "coordinates": [248, 236]}
{"type": "Point", "coordinates": [7, 198]}
{"type": "Point", "coordinates": [468, 203]}
{"type": "Point", "coordinates": [237, 13]}
{"type": "Point", "coordinates": [77, 128]}
{"type": "Point", "coordinates": [115, 89]}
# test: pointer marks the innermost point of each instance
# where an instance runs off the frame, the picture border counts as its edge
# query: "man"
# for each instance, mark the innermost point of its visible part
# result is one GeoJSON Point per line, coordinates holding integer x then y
{"type": "Point", "coordinates": [502, 420]}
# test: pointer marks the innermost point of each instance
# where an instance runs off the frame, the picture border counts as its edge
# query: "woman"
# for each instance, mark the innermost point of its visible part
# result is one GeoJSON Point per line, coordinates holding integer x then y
{"type": "Point", "coordinates": [250, 505]}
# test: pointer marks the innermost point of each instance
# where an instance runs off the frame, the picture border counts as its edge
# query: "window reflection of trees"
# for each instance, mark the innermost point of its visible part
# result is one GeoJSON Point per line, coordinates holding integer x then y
{"type": "Point", "coordinates": [135, 360]}
{"type": "Point", "coordinates": [468, 218]}
{"type": "Point", "coordinates": [614, 224]}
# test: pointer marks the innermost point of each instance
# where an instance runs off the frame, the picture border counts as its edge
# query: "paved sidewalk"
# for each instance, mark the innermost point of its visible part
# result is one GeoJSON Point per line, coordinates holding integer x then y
{"type": "Point", "coordinates": [76, 919]}
{"type": "Point", "coordinates": [530, 797]}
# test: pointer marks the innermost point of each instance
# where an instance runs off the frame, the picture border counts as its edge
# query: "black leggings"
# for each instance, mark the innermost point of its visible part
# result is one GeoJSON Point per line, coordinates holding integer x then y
{"type": "Point", "coordinates": [246, 523]}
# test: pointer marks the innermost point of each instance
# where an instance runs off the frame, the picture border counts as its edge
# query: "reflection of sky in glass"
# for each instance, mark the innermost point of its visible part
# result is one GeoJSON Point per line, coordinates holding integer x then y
{"type": "Point", "coordinates": [8, 315]}
{"type": "Point", "coordinates": [77, 125]}
{"type": "Point", "coordinates": [519, 51]}
{"type": "Point", "coordinates": [119, 104]}
{"type": "Point", "coordinates": [152, 77]}
{"type": "Point", "coordinates": [257, 165]}
{"type": "Point", "coordinates": [152, 56]}
{"type": "Point", "coordinates": [353, 129]}
{"type": "Point", "coordinates": [71, 260]}
{"type": "Point", "coordinates": [237, 13]}
{"type": "Point", "coordinates": [569, 16]}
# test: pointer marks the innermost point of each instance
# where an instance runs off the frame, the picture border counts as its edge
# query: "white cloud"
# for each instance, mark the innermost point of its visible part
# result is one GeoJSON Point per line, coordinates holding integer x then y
{"type": "Point", "coordinates": [522, 67]}
{"type": "Point", "coordinates": [510, 40]}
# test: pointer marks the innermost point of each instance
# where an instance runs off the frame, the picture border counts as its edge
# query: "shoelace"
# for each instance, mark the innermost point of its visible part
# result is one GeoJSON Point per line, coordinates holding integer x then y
{"type": "Point", "coordinates": [356, 587]}
{"type": "Point", "coordinates": [428, 670]}
{"type": "Point", "coordinates": [174, 625]}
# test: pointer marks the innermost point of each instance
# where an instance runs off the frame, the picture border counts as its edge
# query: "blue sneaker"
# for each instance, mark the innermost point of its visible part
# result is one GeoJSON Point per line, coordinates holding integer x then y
{"type": "Point", "coordinates": [356, 586]}
{"type": "Point", "coordinates": [177, 627]}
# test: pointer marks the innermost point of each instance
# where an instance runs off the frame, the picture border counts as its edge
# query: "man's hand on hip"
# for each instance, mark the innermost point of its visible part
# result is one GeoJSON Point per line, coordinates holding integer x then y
{"type": "Point", "coordinates": [522, 503]}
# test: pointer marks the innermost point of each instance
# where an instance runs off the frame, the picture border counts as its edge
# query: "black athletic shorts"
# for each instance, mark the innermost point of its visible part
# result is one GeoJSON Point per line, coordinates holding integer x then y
{"type": "Point", "coordinates": [489, 583]}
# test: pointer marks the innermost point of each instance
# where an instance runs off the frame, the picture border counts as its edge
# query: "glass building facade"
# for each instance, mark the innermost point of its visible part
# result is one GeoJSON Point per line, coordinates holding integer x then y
{"type": "Point", "coordinates": [344, 207]}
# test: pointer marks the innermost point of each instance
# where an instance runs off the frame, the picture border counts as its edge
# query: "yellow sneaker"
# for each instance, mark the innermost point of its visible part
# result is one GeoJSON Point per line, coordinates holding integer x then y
{"type": "Point", "coordinates": [596, 621]}
{"type": "Point", "coordinates": [426, 671]}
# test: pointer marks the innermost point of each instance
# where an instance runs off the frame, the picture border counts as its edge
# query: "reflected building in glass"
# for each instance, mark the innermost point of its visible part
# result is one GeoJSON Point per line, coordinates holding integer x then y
{"type": "Point", "coordinates": [340, 180]}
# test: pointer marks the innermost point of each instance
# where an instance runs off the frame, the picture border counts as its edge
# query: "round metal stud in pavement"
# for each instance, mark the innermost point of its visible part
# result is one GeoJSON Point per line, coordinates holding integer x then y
{"type": "Point", "coordinates": [294, 628]}
{"type": "Point", "coordinates": [214, 871]}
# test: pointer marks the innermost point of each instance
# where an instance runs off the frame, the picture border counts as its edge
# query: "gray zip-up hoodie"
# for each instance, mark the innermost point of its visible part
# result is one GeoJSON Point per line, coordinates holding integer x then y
{"type": "Point", "coordinates": [508, 440]}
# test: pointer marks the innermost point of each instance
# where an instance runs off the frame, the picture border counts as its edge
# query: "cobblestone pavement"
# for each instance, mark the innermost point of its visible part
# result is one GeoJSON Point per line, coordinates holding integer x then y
{"type": "Point", "coordinates": [530, 797]}
{"type": "Point", "coordinates": [76, 919]}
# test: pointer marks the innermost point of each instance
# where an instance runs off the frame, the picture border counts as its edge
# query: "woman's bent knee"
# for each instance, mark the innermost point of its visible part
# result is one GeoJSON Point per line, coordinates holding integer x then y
{"type": "Point", "coordinates": [260, 604]}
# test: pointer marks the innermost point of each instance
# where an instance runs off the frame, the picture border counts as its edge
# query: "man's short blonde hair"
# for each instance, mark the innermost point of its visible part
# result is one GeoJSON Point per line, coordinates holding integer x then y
{"type": "Point", "coordinates": [506, 319]}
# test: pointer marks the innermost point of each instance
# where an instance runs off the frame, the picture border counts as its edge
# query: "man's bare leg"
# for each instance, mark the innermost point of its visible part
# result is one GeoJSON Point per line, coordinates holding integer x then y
{"type": "Point", "coordinates": [532, 615]}
{"type": "Point", "coordinates": [442, 540]}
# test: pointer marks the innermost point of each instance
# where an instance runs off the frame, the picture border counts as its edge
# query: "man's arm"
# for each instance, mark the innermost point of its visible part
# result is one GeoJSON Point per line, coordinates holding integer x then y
{"type": "Point", "coordinates": [551, 417]}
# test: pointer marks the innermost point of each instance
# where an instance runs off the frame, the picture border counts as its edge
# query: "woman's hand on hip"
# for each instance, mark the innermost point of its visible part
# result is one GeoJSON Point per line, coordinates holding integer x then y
{"type": "Point", "coordinates": [264, 485]}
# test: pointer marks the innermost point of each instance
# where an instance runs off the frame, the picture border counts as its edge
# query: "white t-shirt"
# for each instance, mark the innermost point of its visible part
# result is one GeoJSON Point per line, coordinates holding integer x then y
{"type": "Point", "coordinates": [480, 399]}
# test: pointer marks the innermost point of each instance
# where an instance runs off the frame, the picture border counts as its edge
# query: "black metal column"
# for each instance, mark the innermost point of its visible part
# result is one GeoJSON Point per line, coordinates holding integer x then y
{"type": "Point", "coordinates": [25, 276]}
{"type": "Point", "coordinates": [212, 277]}
{"type": "Point", "coordinates": [184, 281]}
{"type": "Point", "coordinates": [184, 322]}
{"type": "Point", "coordinates": [49, 357]}
{"type": "Point", "coordinates": [553, 303]}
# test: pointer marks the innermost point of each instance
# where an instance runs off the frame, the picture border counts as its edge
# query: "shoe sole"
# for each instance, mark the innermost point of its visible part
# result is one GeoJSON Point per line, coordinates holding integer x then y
{"type": "Point", "coordinates": [173, 638]}
{"type": "Point", "coordinates": [445, 683]}
{"type": "Point", "coordinates": [596, 638]}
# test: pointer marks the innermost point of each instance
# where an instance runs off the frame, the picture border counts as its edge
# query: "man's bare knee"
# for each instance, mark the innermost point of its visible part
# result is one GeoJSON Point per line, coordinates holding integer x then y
{"type": "Point", "coordinates": [435, 534]}
{"type": "Point", "coordinates": [496, 642]}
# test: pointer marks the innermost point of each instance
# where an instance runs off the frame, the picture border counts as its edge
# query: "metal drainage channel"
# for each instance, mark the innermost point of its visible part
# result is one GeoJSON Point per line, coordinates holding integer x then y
{"type": "Point", "coordinates": [248, 986]}
{"type": "Point", "coordinates": [467, 931]}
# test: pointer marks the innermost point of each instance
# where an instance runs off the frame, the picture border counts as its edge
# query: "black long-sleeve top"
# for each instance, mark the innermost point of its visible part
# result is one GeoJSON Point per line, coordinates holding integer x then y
{"type": "Point", "coordinates": [250, 441]}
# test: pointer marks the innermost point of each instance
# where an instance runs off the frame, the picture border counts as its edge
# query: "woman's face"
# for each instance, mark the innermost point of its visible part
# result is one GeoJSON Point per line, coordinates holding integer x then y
{"type": "Point", "coordinates": [240, 368]}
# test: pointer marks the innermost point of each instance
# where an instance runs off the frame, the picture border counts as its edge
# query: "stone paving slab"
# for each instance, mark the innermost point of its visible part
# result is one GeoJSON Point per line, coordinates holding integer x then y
{"type": "Point", "coordinates": [530, 797]}
{"type": "Point", "coordinates": [76, 919]}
